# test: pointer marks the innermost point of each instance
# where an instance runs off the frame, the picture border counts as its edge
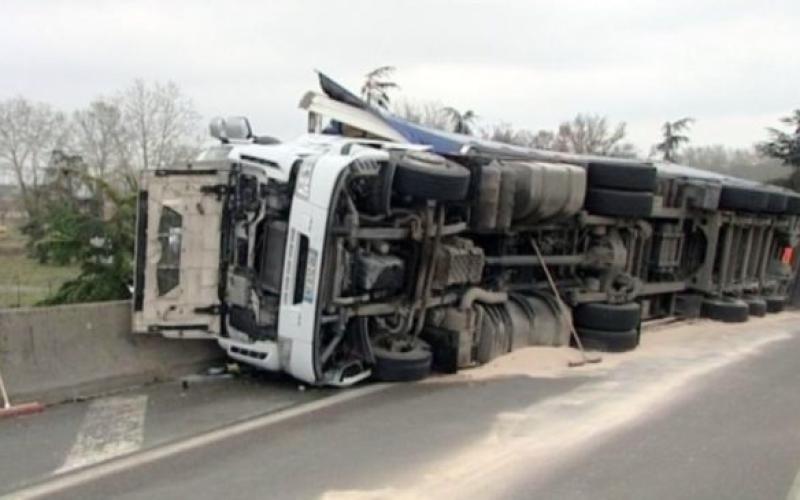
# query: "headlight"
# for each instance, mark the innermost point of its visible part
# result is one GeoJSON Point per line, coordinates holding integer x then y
{"type": "Point", "coordinates": [303, 184]}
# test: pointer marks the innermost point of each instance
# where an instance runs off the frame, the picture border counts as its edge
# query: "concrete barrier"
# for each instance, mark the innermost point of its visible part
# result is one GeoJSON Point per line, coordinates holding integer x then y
{"type": "Point", "coordinates": [68, 352]}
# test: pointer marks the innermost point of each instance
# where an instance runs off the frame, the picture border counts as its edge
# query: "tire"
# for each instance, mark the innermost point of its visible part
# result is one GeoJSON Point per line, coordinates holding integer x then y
{"type": "Point", "coordinates": [775, 303]}
{"type": "Point", "coordinates": [777, 203]}
{"type": "Point", "coordinates": [401, 361]}
{"type": "Point", "coordinates": [793, 204]}
{"type": "Point", "coordinates": [620, 176]}
{"type": "Point", "coordinates": [619, 203]}
{"type": "Point", "coordinates": [431, 177]}
{"type": "Point", "coordinates": [757, 306]}
{"type": "Point", "coordinates": [727, 311]}
{"type": "Point", "coordinates": [608, 317]}
{"type": "Point", "coordinates": [745, 199]}
{"type": "Point", "coordinates": [608, 341]}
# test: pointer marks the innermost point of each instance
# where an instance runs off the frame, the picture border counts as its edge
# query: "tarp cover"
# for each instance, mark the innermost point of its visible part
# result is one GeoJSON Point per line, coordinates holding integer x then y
{"type": "Point", "coordinates": [450, 143]}
{"type": "Point", "coordinates": [453, 144]}
{"type": "Point", "coordinates": [339, 93]}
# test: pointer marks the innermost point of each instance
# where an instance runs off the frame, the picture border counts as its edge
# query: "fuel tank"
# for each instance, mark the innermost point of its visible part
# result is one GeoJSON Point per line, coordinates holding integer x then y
{"type": "Point", "coordinates": [546, 190]}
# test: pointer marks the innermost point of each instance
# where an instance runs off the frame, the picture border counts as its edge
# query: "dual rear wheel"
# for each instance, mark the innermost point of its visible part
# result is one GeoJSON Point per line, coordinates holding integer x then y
{"type": "Point", "coordinates": [731, 310]}
{"type": "Point", "coordinates": [620, 190]}
{"type": "Point", "coordinates": [726, 310]}
{"type": "Point", "coordinates": [608, 327]}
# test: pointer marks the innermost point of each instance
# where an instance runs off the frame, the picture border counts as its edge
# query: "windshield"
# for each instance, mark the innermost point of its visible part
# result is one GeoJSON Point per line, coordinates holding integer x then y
{"type": "Point", "coordinates": [170, 234]}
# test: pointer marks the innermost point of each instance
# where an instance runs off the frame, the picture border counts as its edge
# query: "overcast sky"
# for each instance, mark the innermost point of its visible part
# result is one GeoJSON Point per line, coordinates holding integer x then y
{"type": "Point", "coordinates": [732, 65]}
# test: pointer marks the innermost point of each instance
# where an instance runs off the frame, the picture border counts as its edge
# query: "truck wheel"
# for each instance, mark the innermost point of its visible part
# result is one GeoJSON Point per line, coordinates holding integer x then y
{"type": "Point", "coordinates": [756, 305]}
{"type": "Point", "coordinates": [728, 311]}
{"type": "Point", "coordinates": [609, 317]}
{"type": "Point", "coordinates": [793, 204]}
{"type": "Point", "coordinates": [401, 360]}
{"type": "Point", "coordinates": [775, 303]}
{"type": "Point", "coordinates": [619, 203]}
{"type": "Point", "coordinates": [620, 176]}
{"type": "Point", "coordinates": [431, 177]}
{"type": "Point", "coordinates": [609, 341]}
{"type": "Point", "coordinates": [743, 198]}
{"type": "Point", "coordinates": [777, 203]}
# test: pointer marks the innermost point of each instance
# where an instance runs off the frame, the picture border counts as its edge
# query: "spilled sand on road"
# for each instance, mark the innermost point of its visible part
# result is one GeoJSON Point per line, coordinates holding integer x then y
{"type": "Point", "coordinates": [623, 388]}
{"type": "Point", "coordinates": [659, 339]}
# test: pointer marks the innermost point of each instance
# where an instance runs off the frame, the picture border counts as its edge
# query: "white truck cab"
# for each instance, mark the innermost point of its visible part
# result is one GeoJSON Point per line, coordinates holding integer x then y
{"type": "Point", "coordinates": [231, 247]}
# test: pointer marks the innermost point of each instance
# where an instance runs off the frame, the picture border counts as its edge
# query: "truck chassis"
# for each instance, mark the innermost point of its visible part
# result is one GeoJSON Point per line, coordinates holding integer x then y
{"type": "Point", "coordinates": [369, 251]}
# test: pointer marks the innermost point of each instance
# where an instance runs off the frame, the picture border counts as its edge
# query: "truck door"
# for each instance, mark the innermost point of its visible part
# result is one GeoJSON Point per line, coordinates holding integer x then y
{"type": "Point", "coordinates": [177, 261]}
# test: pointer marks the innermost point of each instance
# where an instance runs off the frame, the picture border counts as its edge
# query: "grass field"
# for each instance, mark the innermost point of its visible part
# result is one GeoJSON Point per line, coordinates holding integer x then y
{"type": "Point", "coordinates": [24, 281]}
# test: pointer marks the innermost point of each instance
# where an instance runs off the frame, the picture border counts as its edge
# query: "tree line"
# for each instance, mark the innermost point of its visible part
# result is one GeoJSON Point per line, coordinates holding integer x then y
{"type": "Point", "coordinates": [77, 173]}
{"type": "Point", "coordinates": [142, 126]}
{"type": "Point", "coordinates": [595, 134]}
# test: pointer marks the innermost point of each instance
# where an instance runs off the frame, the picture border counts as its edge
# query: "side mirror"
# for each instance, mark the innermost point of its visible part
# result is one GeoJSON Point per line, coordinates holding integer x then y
{"type": "Point", "coordinates": [217, 129]}
{"type": "Point", "coordinates": [233, 127]}
{"type": "Point", "coordinates": [238, 127]}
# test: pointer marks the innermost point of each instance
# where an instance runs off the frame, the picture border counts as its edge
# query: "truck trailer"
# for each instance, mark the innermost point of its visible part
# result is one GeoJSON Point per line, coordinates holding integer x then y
{"type": "Point", "coordinates": [373, 247]}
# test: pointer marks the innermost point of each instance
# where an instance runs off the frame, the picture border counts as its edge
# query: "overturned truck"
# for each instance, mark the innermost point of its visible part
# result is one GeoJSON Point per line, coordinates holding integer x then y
{"type": "Point", "coordinates": [375, 247]}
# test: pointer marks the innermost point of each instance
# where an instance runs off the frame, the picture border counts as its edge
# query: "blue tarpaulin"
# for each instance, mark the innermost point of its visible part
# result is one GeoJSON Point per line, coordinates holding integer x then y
{"type": "Point", "coordinates": [451, 143]}
{"type": "Point", "coordinates": [441, 142]}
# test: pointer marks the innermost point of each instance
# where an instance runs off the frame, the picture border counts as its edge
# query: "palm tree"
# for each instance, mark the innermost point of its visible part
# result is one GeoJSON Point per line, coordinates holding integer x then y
{"type": "Point", "coordinates": [462, 122]}
{"type": "Point", "coordinates": [376, 86]}
{"type": "Point", "coordinates": [673, 138]}
{"type": "Point", "coordinates": [785, 146]}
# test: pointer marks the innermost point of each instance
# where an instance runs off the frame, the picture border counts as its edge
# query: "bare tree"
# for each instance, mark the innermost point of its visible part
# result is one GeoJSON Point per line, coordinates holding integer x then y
{"type": "Point", "coordinates": [543, 139]}
{"type": "Point", "coordinates": [427, 113]}
{"type": "Point", "coordinates": [591, 134]}
{"type": "Point", "coordinates": [585, 134]}
{"type": "Point", "coordinates": [162, 123]}
{"type": "Point", "coordinates": [505, 132]}
{"type": "Point", "coordinates": [462, 122]}
{"type": "Point", "coordinates": [672, 138]}
{"type": "Point", "coordinates": [102, 138]}
{"type": "Point", "coordinates": [29, 133]}
{"type": "Point", "coordinates": [739, 162]}
{"type": "Point", "coordinates": [377, 85]}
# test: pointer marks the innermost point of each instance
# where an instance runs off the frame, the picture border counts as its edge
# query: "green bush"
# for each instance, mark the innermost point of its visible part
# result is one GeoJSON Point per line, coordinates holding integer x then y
{"type": "Point", "coordinates": [99, 239]}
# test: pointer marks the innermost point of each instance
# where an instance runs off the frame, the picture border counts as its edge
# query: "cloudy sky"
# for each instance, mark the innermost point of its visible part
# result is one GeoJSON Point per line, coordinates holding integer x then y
{"type": "Point", "coordinates": [733, 65]}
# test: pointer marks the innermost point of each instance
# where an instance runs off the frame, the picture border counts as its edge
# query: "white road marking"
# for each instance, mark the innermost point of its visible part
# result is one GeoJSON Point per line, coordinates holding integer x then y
{"type": "Point", "coordinates": [112, 427]}
{"type": "Point", "coordinates": [88, 474]}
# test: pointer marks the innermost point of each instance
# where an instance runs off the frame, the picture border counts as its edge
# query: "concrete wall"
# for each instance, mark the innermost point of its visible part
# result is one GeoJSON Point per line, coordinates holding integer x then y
{"type": "Point", "coordinates": [54, 354]}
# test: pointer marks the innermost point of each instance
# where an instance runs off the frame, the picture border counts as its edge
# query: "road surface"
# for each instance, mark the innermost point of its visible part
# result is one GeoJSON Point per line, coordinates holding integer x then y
{"type": "Point", "coordinates": [699, 411]}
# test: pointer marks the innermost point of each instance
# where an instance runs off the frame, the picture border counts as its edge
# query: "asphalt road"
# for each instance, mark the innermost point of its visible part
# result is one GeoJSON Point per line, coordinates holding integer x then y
{"type": "Point", "coordinates": [709, 412]}
{"type": "Point", "coordinates": [91, 431]}
{"type": "Point", "coordinates": [736, 436]}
